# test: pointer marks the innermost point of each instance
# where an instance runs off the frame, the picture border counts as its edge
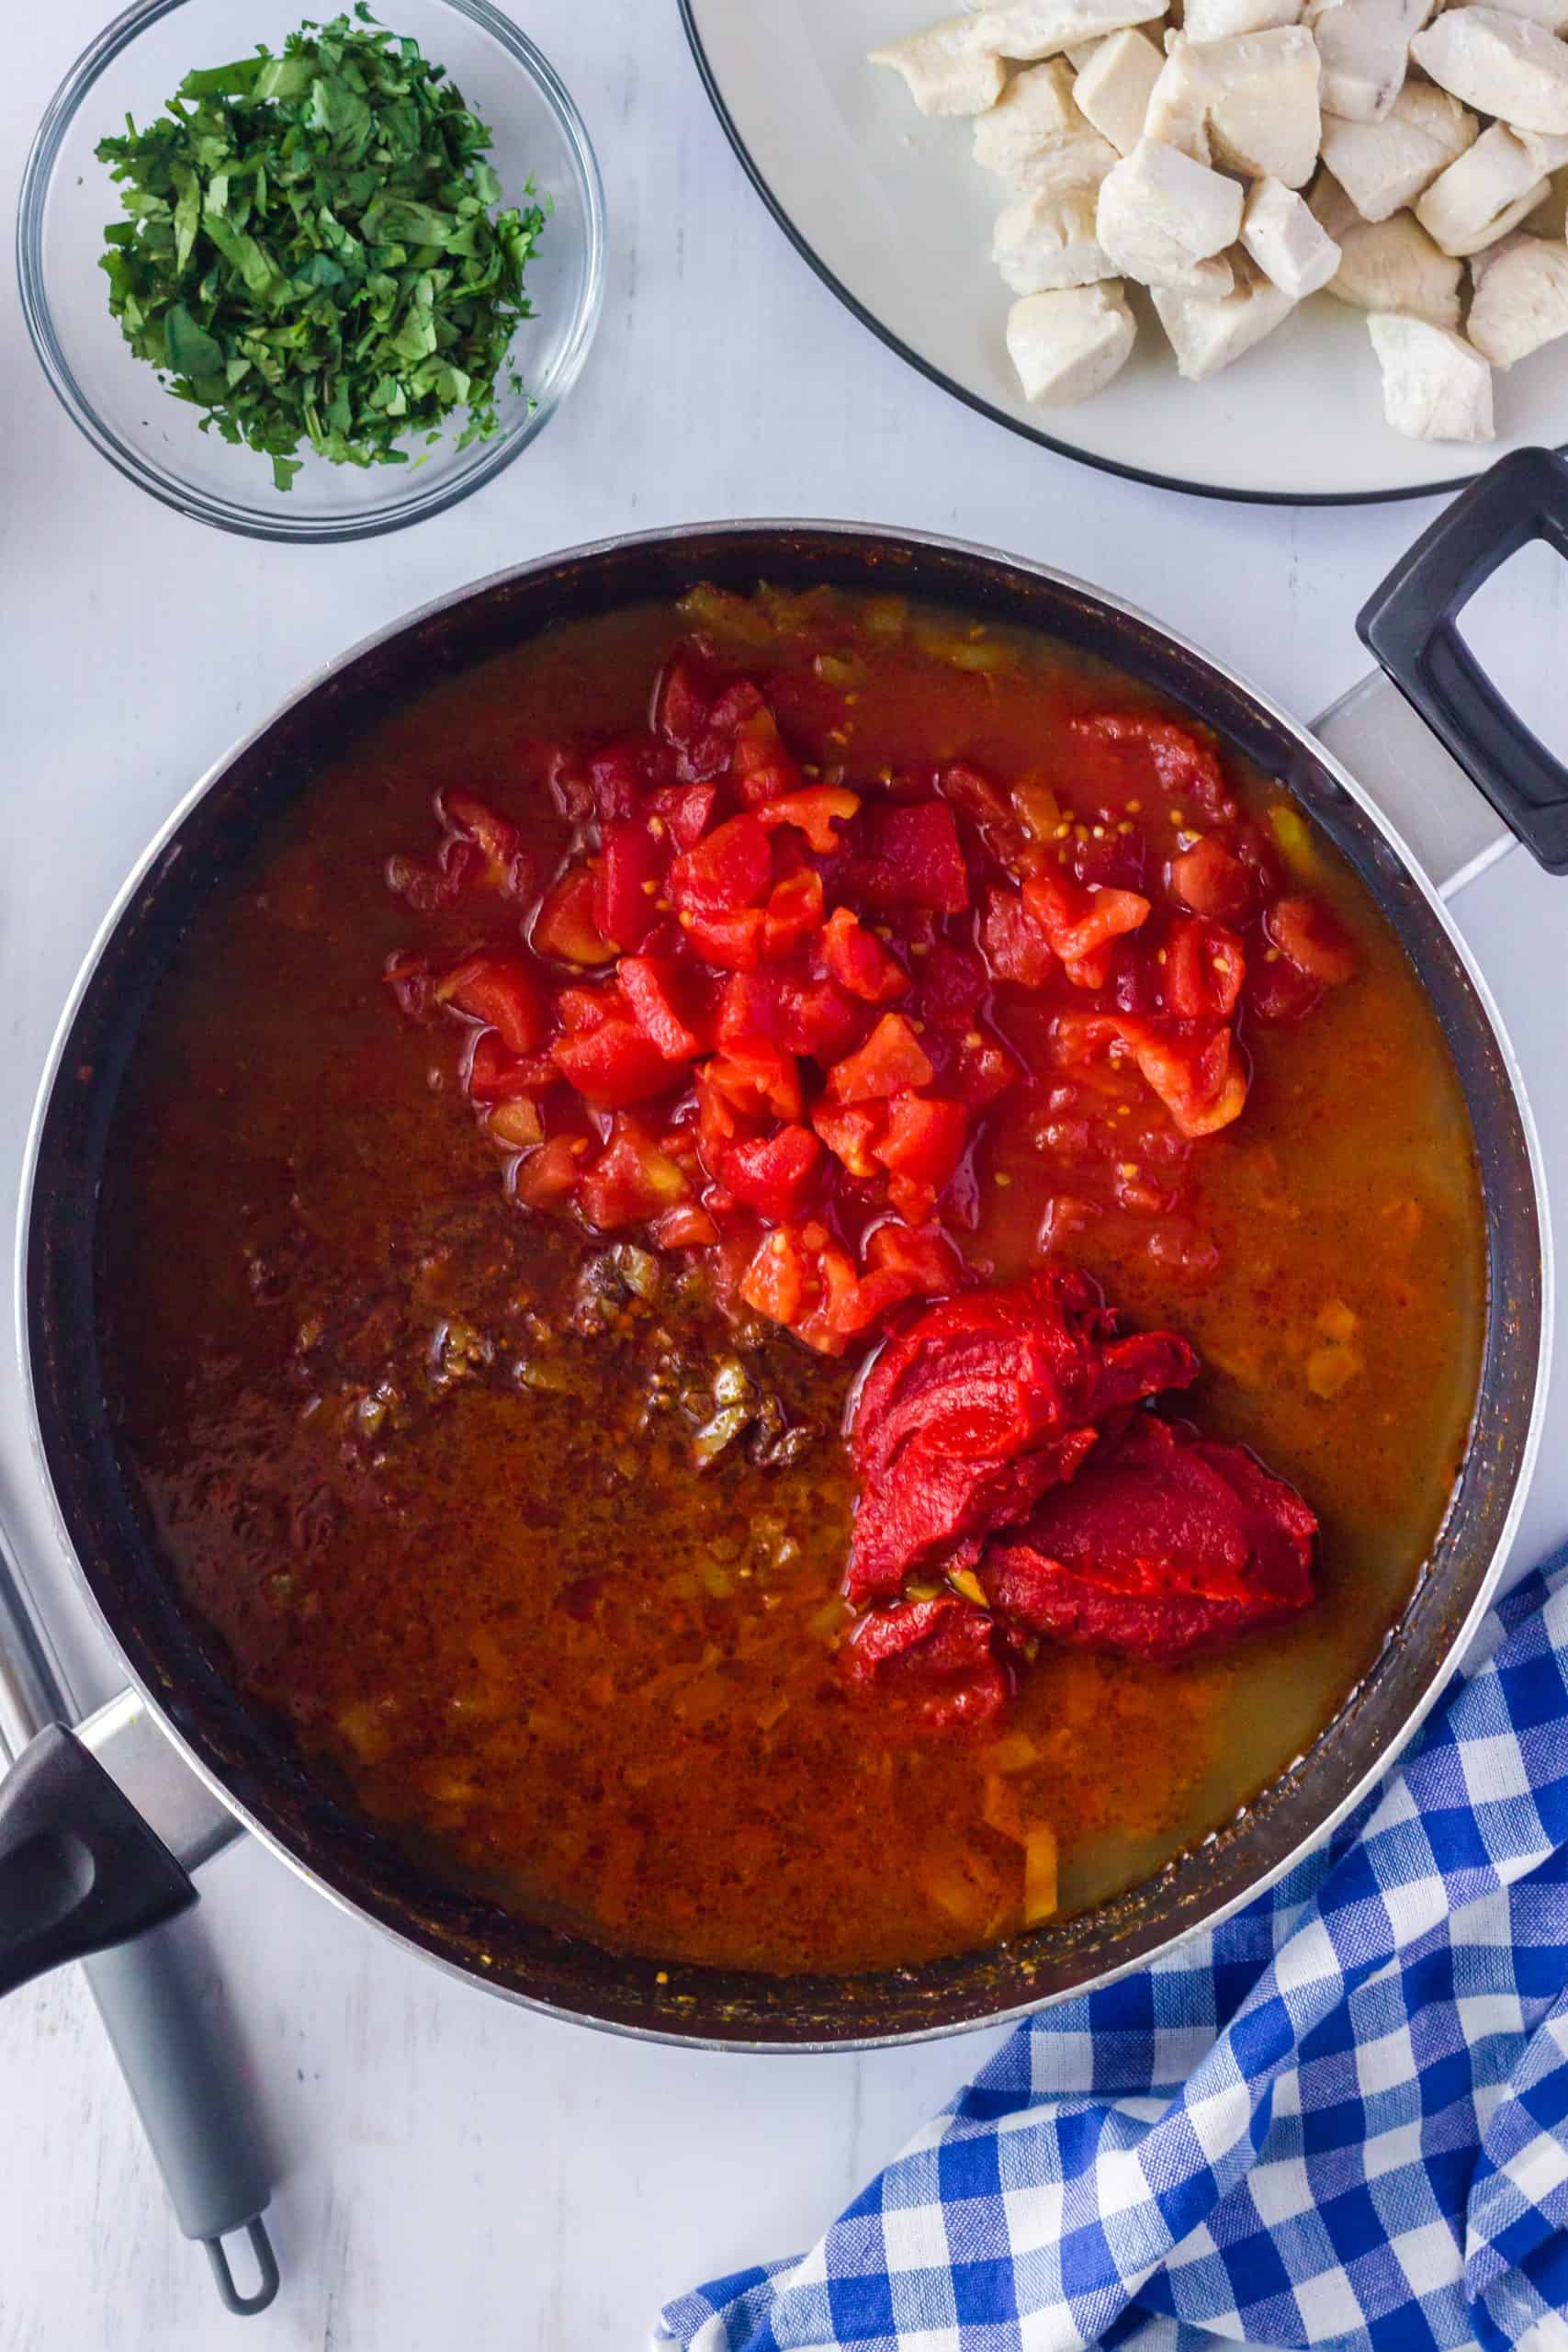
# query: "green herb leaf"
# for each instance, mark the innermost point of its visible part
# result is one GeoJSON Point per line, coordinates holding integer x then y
{"type": "Point", "coordinates": [191, 352]}
{"type": "Point", "coordinates": [315, 252]}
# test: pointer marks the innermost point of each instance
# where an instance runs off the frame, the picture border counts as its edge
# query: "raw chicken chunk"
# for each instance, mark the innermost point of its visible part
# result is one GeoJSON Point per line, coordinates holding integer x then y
{"type": "Point", "coordinates": [1206, 334]}
{"type": "Point", "coordinates": [1384, 166]}
{"type": "Point", "coordinates": [1045, 242]}
{"type": "Point", "coordinates": [1503, 64]}
{"type": "Point", "coordinates": [1287, 245]}
{"type": "Point", "coordinates": [1218, 19]}
{"type": "Point", "coordinates": [1036, 138]}
{"type": "Point", "coordinates": [1481, 197]}
{"type": "Point", "coordinates": [1027, 29]}
{"type": "Point", "coordinates": [1249, 104]}
{"type": "Point", "coordinates": [1552, 14]}
{"type": "Point", "coordinates": [1365, 48]}
{"type": "Point", "coordinates": [1521, 297]}
{"type": "Point", "coordinates": [1394, 265]}
{"type": "Point", "coordinates": [1068, 344]}
{"type": "Point", "coordinates": [947, 70]}
{"type": "Point", "coordinates": [1159, 212]}
{"type": "Point", "coordinates": [1112, 90]}
{"type": "Point", "coordinates": [1436, 387]}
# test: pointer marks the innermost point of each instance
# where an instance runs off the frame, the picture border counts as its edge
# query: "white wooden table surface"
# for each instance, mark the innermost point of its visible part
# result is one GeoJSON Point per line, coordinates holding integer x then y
{"type": "Point", "coordinates": [452, 2171]}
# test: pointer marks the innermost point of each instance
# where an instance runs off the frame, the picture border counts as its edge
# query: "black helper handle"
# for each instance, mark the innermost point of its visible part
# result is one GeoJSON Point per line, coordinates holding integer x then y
{"type": "Point", "coordinates": [1411, 627]}
{"type": "Point", "coordinates": [79, 1868]}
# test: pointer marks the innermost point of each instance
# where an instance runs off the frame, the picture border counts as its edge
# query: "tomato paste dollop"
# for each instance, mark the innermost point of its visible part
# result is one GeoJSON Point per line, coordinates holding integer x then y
{"type": "Point", "coordinates": [1005, 1445]}
{"type": "Point", "coordinates": [986, 1402]}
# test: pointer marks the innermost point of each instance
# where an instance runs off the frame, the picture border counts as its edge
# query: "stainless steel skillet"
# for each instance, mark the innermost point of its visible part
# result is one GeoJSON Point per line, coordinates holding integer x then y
{"type": "Point", "coordinates": [96, 1828]}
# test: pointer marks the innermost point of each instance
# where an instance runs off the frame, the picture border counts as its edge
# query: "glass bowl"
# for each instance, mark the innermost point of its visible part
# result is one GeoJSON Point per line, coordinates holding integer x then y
{"type": "Point", "coordinates": [134, 67]}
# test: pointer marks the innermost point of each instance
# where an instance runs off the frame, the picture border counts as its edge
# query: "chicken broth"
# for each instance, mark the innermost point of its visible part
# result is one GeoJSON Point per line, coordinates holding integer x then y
{"type": "Point", "coordinates": [516, 1485]}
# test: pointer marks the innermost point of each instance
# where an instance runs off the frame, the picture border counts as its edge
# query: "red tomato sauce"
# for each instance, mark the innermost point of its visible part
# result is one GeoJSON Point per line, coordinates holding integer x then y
{"type": "Point", "coordinates": [608, 1058]}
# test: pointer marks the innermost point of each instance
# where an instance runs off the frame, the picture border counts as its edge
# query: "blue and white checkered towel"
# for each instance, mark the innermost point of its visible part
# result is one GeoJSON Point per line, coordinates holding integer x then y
{"type": "Point", "coordinates": [1341, 2119]}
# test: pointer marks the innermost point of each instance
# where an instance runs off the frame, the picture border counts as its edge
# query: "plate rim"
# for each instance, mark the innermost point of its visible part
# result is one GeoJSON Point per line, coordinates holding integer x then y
{"type": "Point", "coordinates": [1219, 491]}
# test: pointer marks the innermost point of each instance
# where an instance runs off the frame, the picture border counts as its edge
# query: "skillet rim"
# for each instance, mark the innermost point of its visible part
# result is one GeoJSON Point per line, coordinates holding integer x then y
{"type": "Point", "coordinates": [782, 2029]}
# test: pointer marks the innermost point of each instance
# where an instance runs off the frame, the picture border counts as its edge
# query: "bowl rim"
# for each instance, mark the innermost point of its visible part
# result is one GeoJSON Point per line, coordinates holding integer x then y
{"type": "Point", "coordinates": [229, 514]}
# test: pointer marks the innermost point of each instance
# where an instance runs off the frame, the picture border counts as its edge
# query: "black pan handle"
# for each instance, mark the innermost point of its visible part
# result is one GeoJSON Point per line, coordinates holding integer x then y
{"type": "Point", "coordinates": [1410, 624]}
{"type": "Point", "coordinates": [79, 1868]}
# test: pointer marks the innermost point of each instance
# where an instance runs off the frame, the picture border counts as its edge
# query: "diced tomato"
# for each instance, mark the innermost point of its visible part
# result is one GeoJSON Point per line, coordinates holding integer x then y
{"type": "Point", "coordinates": [858, 960]}
{"type": "Point", "coordinates": [1314, 938]}
{"type": "Point", "coordinates": [1078, 921]}
{"type": "Point", "coordinates": [1210, 880]}
{"type": "Point", "coordinates": [979, 798]}
{"type": "Point", "coordinates": [851, 1132]}
{"type": "Point", "coordinates": [517, 1124]}
{"type": "Point", "coordinates": [686, 809]}
{"type": "Point", "coordinates": [718, 1124]}
{"type": "Point", "coordinates": [1014, 945]}
{"type": "Point", "coordinates": [954, 985]}
{"type": "Point", "coordinates": [565, 928]}
{"type": "Point", "coordinates": [1279, 992]}
{"type": "Point", "coordinates": [752, 1005]}
{"type": "Point", "coordinates": [1102, 857]}
{"type": "Point", "coordinates": [762, 769]}
{"type": "Point", "coordinates": [627, 882]}
{"type": "Point", "coordinates": [728, 869]}
{"type": "Point", "coordinates": [813, 812]}
{"type": "Point", "coordinates": [495, 1076]}
{"type": "Point", "coordinates": [874, 1294]}
{"type": "Point", "coordinates": [756, 1077]}
{"type": "Point", "coordinates": [819, 1019]}
{"type": "Point", "coordinates": [583, 1009]}
{"type": "Point", "coordinates": [922, 1256]}
{"type": "Point", "coordinates": [731, 942]}
{"type": "Point", "coordinates": [631, 1181]}
{"type": "Point", "coordinates": [612, 1064]}
{"type": "Point", "coordinates": [829, 1324]}
{"type": "Point", "coordinates": [1133, 979]}
{"type": "Point", "coordinates": [980, 1073]}
{"type": "Point", "coordinates": [1172, 755]}
{"type": "Point", "coordinates": [915, 858]}
{"type": "Point", "coordinates": [800, 1277]}
{"type": "Point", "coordinates": [504, 995]}
{"type": "Point", "coordinates": [903, 1262]}
{"type": "Point", "coordinates": [545, 1177]}
{"type": "Point", "coordinates": [1192, 1066]}
{"type": "Point", "coordinates": [793, 912]}
{"type": "Point", "coordinates": [774, 1282]}
{"type": "Point", "coordinates": [687, 1226]}
{"type": "Point", "coordinates": [617, 777]}
{"type": "Point", "coordinates": [890, 1062]}
{"type": "Point", "coordinates": [925, 1139]}
{"type": "Point", "coordinates": [909, 1197]}
{"type": "Point", "coordinates": [679, 706]}
{"type": "Point", "coordinates": [773, 1174]}
{"type": "Point", "coordinates": [666, 1001]}
{"type": "Point", "coordinates": [1204, 967]}
{"type": "Point", "coordinates": [493, 836]}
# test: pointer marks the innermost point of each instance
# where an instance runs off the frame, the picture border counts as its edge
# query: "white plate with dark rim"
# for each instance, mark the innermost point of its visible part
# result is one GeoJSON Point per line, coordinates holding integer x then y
{"type": "Point", "coordinates": [893, 213]}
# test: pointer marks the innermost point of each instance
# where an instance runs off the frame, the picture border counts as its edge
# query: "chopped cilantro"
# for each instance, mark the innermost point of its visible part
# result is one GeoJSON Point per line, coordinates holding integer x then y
{"type": "Point", "coordinates": [314, 253]}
